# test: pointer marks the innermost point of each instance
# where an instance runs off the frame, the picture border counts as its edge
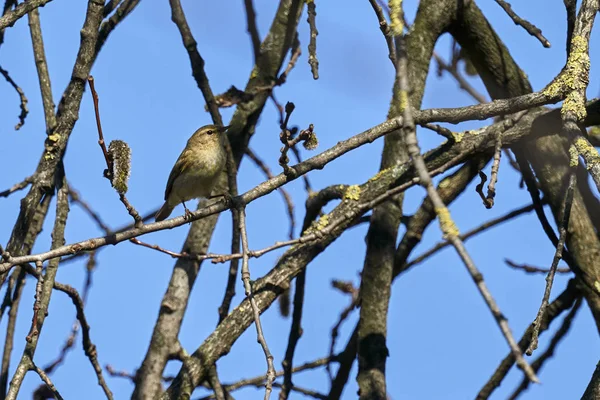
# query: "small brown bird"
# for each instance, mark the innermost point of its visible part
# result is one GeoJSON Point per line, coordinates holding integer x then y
{"type": "Point", "coordinates": [196, 171]}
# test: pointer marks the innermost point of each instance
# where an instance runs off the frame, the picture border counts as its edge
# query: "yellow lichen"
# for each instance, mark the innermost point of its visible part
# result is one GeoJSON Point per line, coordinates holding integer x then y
{"type": "Point", "coordinates": [457, 136]}
{"type": "Point", "coordinates": [573, 156]}
{"type": "Point", "coordinates": [379, 175]}
{"type": "Point", "coordinates": [555, 88]}
{"type": "Point", "coordinates": [352, 193]}
{"type": "Point", "coordinates": [396, 25]}
{"type": "Point", "coordinates": [597, 286]}
{"type": "Point", "coordinates": [574, 77]}
{"type": "Point", "coordinates": [403, 100]}
{"type": "Point", "coordinates": [48, 156]}
{"type": "Point", "coordinates": [588, 152]}
{"type": "Point", "coordinates": [574, 104]}
{"type": "Point", "coordinates": [594, 131]}
{"type": "Point", "coordinates": [444, 183]}
{"type": "Point", "coordinates": [322, 222]}
{"type": "Point", "coordinates": [447, 225]}
{"type": "Point", "coordinates": [54, 137]}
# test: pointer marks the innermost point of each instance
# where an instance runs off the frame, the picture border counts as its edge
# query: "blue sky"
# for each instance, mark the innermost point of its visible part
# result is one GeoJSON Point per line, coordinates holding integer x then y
{"type": "Point", "coordinates": [439, 327]}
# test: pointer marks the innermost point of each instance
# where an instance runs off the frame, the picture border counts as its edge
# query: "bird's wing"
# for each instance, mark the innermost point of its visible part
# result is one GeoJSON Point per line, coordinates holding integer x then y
{"type": "Point", "coordinates": [178, 168]}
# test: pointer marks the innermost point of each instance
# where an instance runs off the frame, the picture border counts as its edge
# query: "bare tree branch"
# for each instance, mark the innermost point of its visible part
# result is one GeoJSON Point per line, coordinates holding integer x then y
{"type": "Point", "coordinates": [22, 98]}
{"type": "Point", "coordinates": [43, 291]}
{"type": "Point", "coordinates": [39, 55]}
{"type": "Point", "coordinates": [528, 26]}
{"type": "Point", "coordinates": [549, 352]}
{"type": "Point", "coordinates": [563, 302]}
{"type": "Point", "coordinates": [9, 18]}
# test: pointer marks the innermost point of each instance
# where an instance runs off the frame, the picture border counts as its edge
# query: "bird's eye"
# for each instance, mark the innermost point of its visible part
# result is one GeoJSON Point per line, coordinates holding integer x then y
{"type": "Point", "coordinates": [209, 132]}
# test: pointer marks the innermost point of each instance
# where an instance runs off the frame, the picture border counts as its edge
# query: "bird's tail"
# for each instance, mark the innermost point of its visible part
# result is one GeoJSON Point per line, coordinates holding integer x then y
{"type": "Point", "coordinates": [164, 212]}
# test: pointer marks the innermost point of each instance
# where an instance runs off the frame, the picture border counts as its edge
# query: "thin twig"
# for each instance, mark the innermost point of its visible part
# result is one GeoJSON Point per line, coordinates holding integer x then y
{"type": "Point", "coordinates": [252, 29]}
{"type": "Point", "coordinates": [348, 288]}
{"type": "Point", "coordinates": [47, 381]}
{"type": "Point", "coordinates": [7, 296]}
{"type": "Point", "coordinates": [296, 327]}
{"type": "Point", "coordinates": [70, 342]}
{"type": "Point", "coordinates": [491, 191]}
{"type": "Point", "coordinates": [562, 229]}
{"type": "Point", "coordinates": [101, 141]}
{"type": "Point", "coordinates": [124, 9]}
{"type": "Point", "coordinates": [259, 380]}
{"type": "Point", "coordinates": [562, 303]}
{"type": "Point", "coordinates": [465, 236]}
{"type": "Point", "coordinates": [17, 186]}
{"type": "Point", "coordinates": [546, 355]}
{"type": "Point", "coordinates": [34, 331]}
{"type": "Point", "coordinates": [312, 46]}
{"type": "Point", "coordinates": [88, 347]}
{"type": "Point", "coordinates": [256, 312]}
{"type": "Point", "coordinates": [571, 9]}
{"type": "Point", "coordinates": [528, 26]}
{"type": "Point", "coordinates": [109, 7]}
{"type": "Point", "coordinates": [233, 268]}
{"type": "Point", "coordinates": [306, 392]}
{"type": "Point", "coordinates": [196, 60]}
{"type": "Point", "coordinates": [109, 160]}
{"type": "Point", "coordinates": [22, 98]}
{"type": "Point", "coordinates": [512, 162]}
{"type": "Point", "coordinates": [215, 383]}
{"type": "Point", "coordinates": [530, 269]}
{"type": "Point", "coordinates": [160, 249]}
{"type": "Point", "coordinates": [296, 51]}
{"type": "Point", "coordinates": [18, 275]}
{"type": "Point", "coordinates": [479, 187]}
{"type": "Point", "coordinates": [385, 29]}
{"type": "Point", "coordinates": [532, 187]}
{"type": "Point", "coordinates": [440, 130]}
{"type": "Point", "coordinates": [124, 374]}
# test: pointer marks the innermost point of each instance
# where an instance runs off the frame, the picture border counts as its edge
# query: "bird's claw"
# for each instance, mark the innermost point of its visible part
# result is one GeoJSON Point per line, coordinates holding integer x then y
{"type": "Point", "coordinates": [225, 198]}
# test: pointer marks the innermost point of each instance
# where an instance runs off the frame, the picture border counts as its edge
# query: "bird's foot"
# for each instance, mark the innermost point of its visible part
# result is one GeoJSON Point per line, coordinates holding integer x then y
{"type": "Point", "coordinates": [224, 197]}
{"type": "Point", "coordinates": [188, 214]}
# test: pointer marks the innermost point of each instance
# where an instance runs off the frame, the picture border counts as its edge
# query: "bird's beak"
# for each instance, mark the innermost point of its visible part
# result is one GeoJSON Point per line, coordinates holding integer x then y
{"type": "Point", "coordinates": [222, 129]}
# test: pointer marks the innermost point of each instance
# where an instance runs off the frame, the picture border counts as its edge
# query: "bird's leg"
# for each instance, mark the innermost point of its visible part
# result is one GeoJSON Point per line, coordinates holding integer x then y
{"type": "Point", "coordinates": [188, 213]}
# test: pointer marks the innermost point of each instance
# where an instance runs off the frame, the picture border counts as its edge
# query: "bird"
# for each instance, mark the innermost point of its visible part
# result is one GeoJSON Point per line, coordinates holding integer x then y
{"type": "Point", "coordinates": [196, 171]}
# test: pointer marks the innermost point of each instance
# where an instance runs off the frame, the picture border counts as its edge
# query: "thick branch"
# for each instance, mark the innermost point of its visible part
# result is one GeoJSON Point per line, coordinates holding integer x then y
{"type": "Point", "coordinates": [19, 11]}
